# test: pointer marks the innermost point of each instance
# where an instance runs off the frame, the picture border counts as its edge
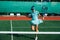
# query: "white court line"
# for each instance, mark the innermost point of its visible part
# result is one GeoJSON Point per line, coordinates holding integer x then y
{"type": "Point", "coordinates": [39, 27]}
{"type": "Point", "coordinates": [11, 25]}
{"type": "Point", "coordinates": [11, 29]}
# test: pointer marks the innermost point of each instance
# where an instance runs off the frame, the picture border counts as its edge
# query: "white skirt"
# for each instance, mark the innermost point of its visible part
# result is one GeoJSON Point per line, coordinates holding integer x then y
{"type": "Point", "coordinates": [36, 22]}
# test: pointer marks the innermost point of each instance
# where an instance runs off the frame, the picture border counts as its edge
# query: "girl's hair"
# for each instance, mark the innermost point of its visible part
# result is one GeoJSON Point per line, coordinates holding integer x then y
{"type": "Point", "coordinates": [33, 7]}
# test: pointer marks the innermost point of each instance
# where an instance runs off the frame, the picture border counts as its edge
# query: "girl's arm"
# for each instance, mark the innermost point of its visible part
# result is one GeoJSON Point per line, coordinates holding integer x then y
{"type": "Point", "coordinates": [39, 16]}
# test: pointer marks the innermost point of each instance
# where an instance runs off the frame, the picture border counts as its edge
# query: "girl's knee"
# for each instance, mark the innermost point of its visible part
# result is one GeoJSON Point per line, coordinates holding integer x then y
{"type": "Point", "coordinates": [33, 28]}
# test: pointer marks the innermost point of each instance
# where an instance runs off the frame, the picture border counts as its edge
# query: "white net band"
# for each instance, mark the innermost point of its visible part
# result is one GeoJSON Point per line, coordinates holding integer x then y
{"type": "Point", "coordinates": [9, 32]}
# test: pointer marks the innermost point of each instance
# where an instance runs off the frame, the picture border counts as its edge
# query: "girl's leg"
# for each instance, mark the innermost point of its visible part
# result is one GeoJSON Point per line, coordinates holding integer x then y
{"type": "Point", "coordinates": [33, 27]}
{"type": "Point", "coordinates": [36, 28]}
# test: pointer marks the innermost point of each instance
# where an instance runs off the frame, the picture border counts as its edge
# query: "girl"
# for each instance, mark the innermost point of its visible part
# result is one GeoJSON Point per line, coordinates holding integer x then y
{"type": "Point", "coordinates": [35, 21]}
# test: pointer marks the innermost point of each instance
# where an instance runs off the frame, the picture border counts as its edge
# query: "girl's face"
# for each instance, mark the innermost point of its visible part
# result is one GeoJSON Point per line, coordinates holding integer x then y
{"type": "Point", "coordinates": [33, 10]}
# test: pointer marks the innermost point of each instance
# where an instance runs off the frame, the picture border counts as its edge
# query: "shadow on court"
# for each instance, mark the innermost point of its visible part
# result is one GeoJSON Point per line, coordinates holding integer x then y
{"type": "Point", "coordinates": [25, 36]}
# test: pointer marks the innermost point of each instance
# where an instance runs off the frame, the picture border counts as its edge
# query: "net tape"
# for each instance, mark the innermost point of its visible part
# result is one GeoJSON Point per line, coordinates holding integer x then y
{"type": "Point", "coordinates": [18, 32]}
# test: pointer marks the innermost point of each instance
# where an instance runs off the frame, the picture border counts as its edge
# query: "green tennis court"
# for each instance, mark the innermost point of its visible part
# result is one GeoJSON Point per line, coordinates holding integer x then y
{"type": "Point", "coordinates": [30, 37]}
{"type": "Point", "coordinates": [24, 25]}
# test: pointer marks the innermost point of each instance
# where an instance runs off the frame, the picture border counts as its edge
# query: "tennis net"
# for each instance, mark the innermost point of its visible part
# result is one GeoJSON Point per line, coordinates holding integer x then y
{"type": "Point", "coordinates": [18, 32]}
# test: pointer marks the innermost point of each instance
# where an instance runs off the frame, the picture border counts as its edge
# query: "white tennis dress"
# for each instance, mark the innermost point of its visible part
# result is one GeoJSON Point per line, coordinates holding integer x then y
{"type": "Point", "coordinates": [35, 19]}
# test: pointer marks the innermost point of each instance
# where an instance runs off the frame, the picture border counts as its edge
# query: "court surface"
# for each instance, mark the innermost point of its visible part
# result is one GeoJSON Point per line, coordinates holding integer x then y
{"type": "Point", "coordinates": [24, 25]}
